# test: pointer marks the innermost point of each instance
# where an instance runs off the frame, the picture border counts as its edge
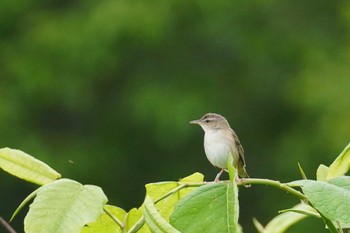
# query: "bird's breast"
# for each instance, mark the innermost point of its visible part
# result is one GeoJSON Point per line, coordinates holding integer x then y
{"type": "Point", "coordinates": [217, 148]}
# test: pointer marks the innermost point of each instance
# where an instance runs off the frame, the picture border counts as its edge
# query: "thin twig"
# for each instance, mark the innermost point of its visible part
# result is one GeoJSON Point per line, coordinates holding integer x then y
{"type": "Point", "coordinates": [7, 226]}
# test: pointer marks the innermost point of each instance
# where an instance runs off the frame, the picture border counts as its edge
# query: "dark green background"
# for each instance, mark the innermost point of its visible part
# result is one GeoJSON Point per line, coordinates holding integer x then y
{"type": "Point", "coordinates": [103, 92]}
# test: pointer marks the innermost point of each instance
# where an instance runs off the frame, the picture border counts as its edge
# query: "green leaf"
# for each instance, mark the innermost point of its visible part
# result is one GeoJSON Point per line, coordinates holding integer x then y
{"type": "Point", "coordinates": [341, 181]}
{"type": "Point", "coordinates": [341, 164]}
{"type": "Point", "coordinates": [64, 206]}
{"type": "Point", "coordinates": [331, 199]}
{"type": "Point", "coordinates": [209, 208]}
{"type": "Point", "coordinates": [154, 220]}
{"type": "Point", "coordinates": [231, 169]}
{"type": "Point", "coordinates": [167, 194]}
{"type": "Point", "coordinates": [134, 217]}
{"type": "Point", "coordinates": [104, 223]}
{"type": "Point", "coordinates": [322, 171]}
{"type": "Point", "coordinates": [283, 221]}
{"type": "Point", "coordinates": [128, 220]}
{"type": "Point", "coordinates": [167, 205]}
{"type": "Point", "coordinates": [26, 167]}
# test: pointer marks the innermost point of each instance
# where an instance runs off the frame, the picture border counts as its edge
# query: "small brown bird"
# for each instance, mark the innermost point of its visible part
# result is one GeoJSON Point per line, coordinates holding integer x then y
{"type": "Point", "coordinates": [219, 141]}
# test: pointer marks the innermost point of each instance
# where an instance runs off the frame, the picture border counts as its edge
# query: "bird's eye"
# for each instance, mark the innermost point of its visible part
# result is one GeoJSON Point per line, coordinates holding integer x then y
{"type": "Point", "coordinates": [206, 121]}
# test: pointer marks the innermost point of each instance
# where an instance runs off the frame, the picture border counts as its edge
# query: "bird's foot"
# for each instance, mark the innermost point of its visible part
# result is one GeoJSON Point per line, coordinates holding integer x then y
{"type": "Point", "coordinates": [217, 178]}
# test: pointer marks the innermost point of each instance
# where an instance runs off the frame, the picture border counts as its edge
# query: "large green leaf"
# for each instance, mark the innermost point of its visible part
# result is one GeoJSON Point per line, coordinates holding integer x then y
{"type": "Point", "coordinates": [154, 220]}
{"type": "Point", "coordinates": [331, 199]}
{"type": "Point", "coordinates": [341, 181]}
{"type": "Point", "coordinates": [209, 208]}
{"type": "Point", "coordinates": [105, 223]}
{"type": "Point", "coordinates": [341, 164]}
{"type": "Point", "coordinates": [64, 206]}
{"type": "Point", "coordinates": [26, 167]}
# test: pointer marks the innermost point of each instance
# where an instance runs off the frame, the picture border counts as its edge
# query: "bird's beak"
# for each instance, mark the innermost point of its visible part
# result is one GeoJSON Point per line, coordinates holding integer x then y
{"type": "Point", "coordinates": [197, 122]}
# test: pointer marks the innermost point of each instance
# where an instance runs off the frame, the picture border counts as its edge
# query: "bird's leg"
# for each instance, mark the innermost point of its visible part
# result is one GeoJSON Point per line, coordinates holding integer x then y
{"type": "Point", "coordinates": [218, 176]}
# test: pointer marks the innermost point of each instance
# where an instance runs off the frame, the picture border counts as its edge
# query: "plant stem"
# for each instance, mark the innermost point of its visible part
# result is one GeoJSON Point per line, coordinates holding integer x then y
{"type": "Point", "coordinates": [137, 226]}
{"type": "Point", "coordinates": [276, 184]}
{"type": "Point", "coordinates": [121, 225]}
{"type": "Point", "coordinates": [178, 188]}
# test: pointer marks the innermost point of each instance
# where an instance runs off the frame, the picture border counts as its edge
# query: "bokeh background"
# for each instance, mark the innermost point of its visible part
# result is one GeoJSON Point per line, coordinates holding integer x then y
{"type": "Point", "coordinates": [103, 92]}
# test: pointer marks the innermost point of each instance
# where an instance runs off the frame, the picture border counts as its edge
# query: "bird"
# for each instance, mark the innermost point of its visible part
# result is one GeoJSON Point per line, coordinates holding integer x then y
{"type": "Point", "coordinates": [220, 141]}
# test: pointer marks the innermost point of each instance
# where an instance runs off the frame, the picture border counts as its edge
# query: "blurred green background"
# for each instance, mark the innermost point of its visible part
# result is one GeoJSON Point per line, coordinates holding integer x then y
{"type": "Point", "coordinates": [103, 92]}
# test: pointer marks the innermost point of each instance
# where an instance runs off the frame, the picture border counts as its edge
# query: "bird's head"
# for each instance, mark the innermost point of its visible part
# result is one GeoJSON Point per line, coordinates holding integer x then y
{"type": "Point", "coordinates": [212, 121]}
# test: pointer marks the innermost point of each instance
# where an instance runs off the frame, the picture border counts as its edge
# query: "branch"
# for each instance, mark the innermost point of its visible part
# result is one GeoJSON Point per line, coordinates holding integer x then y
{"type": "Point", "coordinates": [245, 182]}
{"type": "Point", "coordinates": [7, 226]}
{"type": "Point", "coordinates": [276, 184]}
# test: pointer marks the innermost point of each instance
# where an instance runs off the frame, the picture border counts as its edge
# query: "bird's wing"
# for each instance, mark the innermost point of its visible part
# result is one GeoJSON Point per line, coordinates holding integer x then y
{"type": "Point", "coordinates": [242, 172]}
{"type": "Point", "coordinates": [239, 147]}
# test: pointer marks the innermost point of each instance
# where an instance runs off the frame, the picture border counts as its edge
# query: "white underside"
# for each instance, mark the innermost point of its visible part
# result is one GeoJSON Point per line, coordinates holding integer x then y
{"type": "Point", "coordinates": [217, 149]}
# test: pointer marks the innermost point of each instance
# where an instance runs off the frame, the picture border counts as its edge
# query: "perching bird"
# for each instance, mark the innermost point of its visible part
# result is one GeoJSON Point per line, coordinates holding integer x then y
{"type": "Point", "coordinates": [219, 141]}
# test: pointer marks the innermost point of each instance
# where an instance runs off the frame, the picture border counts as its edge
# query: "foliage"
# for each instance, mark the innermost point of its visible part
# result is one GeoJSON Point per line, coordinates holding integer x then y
{"type": "Point", "coordinates": [326, 200]}
{"type": "Point", "coordinates": [286, 219]}
{"type": "Point", "coordinates": [104, 90]}
{"type": "Point", "coordinates": [190, 205]}
{"type": "Point", "coordinates": [64, 206]}
{"type": "Point", "coordinates": [198, 211]}
{"type": "Point", "coordinates": [24, 166]}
